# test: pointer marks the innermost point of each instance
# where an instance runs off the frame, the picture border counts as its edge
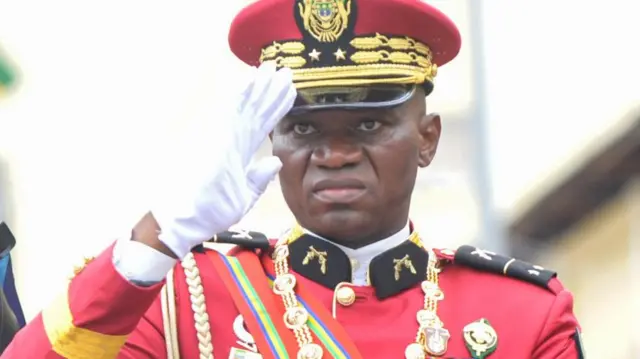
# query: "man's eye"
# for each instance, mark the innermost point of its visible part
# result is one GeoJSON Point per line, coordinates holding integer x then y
{"type": "Point", "coordinates": [369, 125]}
{"type": "Point", "coordinates": [303, 129]}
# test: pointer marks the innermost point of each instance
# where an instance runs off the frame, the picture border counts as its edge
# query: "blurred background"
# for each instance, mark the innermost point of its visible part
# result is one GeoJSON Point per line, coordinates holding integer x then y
{"type": "Point", "coordinates": [540, 155]}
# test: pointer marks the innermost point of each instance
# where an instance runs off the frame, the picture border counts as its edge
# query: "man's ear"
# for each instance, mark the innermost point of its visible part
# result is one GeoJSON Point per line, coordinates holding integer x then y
{"type": "Point", "coordinates": [429, 129]}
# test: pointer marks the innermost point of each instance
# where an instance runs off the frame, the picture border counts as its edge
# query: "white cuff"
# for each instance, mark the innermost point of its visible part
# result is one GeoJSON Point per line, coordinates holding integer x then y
{"type": "Point", "coordinates": [139, 263]}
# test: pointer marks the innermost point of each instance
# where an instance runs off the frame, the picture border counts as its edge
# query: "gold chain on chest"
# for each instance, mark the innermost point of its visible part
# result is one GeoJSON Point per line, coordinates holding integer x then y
{"type": "Point", "coordinates": [431, 338]}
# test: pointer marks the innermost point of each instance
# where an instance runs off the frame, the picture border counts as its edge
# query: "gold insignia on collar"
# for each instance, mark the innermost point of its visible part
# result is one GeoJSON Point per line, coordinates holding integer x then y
{"type": "Point", "coordinates": [325, 20]}
{"type": "Point", "coordinates": [312, 254]}
{"type": "Point", "coordinates": [404, 262]}
{"type": "Point", "coordinates": [480, 338]}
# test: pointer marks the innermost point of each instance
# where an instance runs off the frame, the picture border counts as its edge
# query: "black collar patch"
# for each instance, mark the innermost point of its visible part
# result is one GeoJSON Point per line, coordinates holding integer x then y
{"type": "Point", "coordinates": [398, 269]}
{"type": "Point", "coordinates": [390, 272]}
{"type": "Point", "coordinates": [320, 261]}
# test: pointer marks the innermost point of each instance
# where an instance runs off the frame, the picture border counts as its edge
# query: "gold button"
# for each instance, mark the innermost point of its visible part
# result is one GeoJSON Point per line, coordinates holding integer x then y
{"type": "Point", "coordinates": [346, 296]}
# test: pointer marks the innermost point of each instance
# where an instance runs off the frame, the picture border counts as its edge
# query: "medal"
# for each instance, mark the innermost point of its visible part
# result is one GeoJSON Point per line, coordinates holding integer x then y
{"type": "Point", "coordinates": [480, 338]}
{"type": "Point", "coordinates": [245, 339]}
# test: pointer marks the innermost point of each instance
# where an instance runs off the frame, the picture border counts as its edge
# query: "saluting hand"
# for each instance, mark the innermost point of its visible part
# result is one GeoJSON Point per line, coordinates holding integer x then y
{"type": "Point", "coordinates": [219, 195]}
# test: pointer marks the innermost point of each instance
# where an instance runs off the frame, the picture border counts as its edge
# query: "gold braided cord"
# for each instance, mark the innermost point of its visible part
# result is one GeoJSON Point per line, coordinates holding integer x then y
{"type": "Point", "coordinates": [169, 317]}
{"type": "Point", "coordinates": [296, 316]}
{"type": "Point", "coordinates": [395, 43]}
{"type": "Point", "coordinates": [394, 57]}
{"type": "Point", "coordinates": [199, 306]}
{"type": "Point", "coordinates": [360, 71]}
{"type": "Point", "coordinates": [376, 59]}
{"type": "Point", "coordinates": [431, 337]}
{"type": "Point", "coordinates": [371, 43]}
{"type": "Point", "coordinates": [293, 62]}
{"type": "Point", "coordinates": [275, 49]}
{"type": "Point", "coordinates": [362, 75]}
{"type": "Point", "coordinates": [356, 82]}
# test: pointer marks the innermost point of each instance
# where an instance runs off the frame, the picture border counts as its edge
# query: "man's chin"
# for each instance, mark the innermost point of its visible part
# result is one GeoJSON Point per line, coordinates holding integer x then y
{"type": "Point", "coordinates": [342, 225]}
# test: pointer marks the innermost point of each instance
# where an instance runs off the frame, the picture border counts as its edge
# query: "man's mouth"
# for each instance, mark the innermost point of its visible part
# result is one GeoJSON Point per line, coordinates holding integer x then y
{"type": "Point", "coordinates": [345, 190]}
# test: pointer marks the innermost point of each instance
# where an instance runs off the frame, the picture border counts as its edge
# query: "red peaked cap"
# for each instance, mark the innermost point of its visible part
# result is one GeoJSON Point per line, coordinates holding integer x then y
{"type": "Point", "coordinates": [338, 43]}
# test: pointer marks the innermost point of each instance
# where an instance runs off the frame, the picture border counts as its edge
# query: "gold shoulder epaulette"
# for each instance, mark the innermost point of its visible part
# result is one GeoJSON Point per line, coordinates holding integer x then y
{"type": "Point", "coordinates": [488, 261]}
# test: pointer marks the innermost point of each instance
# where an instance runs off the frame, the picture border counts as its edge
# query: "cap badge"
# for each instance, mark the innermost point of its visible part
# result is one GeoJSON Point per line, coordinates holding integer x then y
{"type": "Point", "coordinates": [325, 20]}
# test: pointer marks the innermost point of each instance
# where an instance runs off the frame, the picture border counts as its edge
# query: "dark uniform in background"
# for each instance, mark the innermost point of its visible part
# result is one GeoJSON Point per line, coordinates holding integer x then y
{"type": "Point", "coordinates": [11, 317]}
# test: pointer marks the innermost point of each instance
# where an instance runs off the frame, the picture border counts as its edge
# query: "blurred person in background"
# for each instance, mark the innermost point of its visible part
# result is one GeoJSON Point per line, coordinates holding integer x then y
{"type": "Point", "coordinates": [340, 90]}
{"type": "Point", "coordinates": [11, 317]}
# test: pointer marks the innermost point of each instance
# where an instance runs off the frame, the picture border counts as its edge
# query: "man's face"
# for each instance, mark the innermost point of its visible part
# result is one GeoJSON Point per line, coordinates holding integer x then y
{"type": "Point", "coordinates": [348, 175]}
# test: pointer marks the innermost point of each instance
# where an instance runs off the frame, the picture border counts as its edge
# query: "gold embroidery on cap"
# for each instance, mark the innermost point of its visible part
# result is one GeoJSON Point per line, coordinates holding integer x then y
{"type": "Point", "coordinates": [325, 20]}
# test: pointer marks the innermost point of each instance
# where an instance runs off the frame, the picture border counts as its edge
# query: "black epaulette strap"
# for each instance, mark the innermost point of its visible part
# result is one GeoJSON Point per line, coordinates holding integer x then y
{"type": "Point", "coordinates": [490, 262]}
{"type": "Point", "coordinates": [241, 238]}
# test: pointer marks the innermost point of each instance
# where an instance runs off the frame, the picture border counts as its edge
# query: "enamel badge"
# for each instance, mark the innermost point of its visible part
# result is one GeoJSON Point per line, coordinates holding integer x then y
{"type": "Point", "coordinates": [480, 338]}
{"type": "Point", "coordinates": [245, 340]}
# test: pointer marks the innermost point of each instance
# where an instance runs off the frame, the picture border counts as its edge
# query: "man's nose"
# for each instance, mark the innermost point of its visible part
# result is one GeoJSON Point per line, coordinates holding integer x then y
{"type": "Point", "coordinates": [337, 153]}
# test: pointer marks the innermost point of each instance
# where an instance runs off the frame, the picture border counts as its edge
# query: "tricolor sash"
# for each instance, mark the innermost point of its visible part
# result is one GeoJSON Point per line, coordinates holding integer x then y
{"type": "Point", "coordinates": [256, 303]}
{"type": "Point", "coordinates": [331, 334]}
{"type": "Point", "coordinates": [250, 288]}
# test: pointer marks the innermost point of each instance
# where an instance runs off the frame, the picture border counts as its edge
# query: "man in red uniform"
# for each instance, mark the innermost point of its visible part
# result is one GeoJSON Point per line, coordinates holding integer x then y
{"type": "Point", "coordinates": [340, 91]}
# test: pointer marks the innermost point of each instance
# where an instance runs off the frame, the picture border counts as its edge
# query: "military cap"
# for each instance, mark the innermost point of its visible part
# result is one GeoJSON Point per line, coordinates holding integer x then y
{"type": "Point", "coordinates": [348, 53]}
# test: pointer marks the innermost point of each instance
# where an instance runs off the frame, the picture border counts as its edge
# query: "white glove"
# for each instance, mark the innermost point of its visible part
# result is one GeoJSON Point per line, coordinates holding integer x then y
{"type": "Point", "coordinates": [223, 183]}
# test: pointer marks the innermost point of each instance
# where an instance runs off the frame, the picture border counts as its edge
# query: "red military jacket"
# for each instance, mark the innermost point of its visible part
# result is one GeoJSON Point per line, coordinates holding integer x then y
{"type": "Point", "coordinates": [493, 306]}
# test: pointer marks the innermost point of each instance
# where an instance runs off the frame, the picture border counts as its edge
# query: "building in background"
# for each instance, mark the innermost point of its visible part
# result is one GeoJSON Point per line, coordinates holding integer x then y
{"type": "Point", "coordinates": [586, 226]}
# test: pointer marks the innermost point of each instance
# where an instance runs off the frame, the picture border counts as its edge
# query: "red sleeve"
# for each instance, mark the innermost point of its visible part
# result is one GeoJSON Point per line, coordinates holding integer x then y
{"type": "Point", "coordinates": [147, 340]}
{"type": "Point", "coordinates": [560, 335]}
{"type": "Point", "coordinates": [100, 315]}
